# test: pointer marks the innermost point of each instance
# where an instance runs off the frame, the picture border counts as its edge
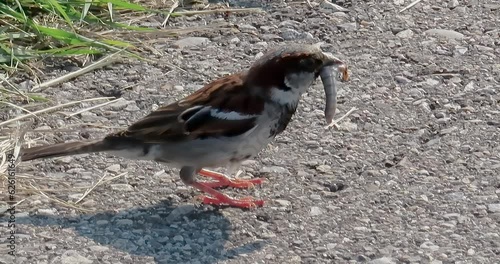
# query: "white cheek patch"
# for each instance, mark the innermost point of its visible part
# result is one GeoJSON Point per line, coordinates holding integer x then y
{"type": "Point", "coordinates": [299, 81]}
{"type": "Point", "coordinates": [298, 84]}
{"type": "Point", "coordinates": [233, 115]}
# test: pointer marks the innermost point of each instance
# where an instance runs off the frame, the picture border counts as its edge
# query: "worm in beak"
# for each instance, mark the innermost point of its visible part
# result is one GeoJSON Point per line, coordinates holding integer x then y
{"type": "Point", "coordinates": [328, 78]}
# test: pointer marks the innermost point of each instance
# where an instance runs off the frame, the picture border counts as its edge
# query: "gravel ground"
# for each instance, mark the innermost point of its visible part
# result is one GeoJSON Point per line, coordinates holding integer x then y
{"type": "Point", "coordinates": [419, 158]}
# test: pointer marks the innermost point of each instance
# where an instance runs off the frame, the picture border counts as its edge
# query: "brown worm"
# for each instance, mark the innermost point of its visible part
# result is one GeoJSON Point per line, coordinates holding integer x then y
{"type": "Point", "coordinates": [328, 78]}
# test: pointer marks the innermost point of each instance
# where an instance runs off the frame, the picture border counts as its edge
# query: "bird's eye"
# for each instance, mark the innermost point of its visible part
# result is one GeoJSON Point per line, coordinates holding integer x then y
{"type": "Point", "coordinates": [308, 64]}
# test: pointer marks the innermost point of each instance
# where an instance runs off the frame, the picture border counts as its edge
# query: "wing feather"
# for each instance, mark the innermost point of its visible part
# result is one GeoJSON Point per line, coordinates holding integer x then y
{"type": "Point", "coordinates": [213, 111]}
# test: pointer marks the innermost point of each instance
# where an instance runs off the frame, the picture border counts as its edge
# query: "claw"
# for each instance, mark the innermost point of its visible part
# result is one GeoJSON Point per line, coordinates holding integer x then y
{"type": "Point", "coordinates": [218, 198]}
{"type": "Point", "coordinates": [223, 181]}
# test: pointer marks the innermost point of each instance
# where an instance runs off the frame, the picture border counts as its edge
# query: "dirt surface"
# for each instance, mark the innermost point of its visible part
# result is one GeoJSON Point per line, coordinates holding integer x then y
{"type": "Point", "coordinates": [419, 157]}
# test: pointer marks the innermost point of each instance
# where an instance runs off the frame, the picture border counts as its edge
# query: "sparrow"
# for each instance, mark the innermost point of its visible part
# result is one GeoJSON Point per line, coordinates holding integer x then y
{"type": "Point", "coordinates": [224, 123]}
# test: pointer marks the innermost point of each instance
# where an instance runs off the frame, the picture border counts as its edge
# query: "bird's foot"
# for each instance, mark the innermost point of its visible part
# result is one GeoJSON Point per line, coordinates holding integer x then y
{"type": "Point", "coordinates": [223, 181]}
{"type": "Point", "coordinates": [218, 198]}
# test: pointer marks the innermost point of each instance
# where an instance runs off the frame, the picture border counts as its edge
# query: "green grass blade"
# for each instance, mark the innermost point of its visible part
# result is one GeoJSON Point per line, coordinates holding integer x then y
{"type": "Point", "coordinates": [85, 10]}
{"type": "Point", "coordinates": [61, 12]}
{"type": "Point", "coordinates": [62, 35]}
{"type": "Point", "coordinates": [123, 5]}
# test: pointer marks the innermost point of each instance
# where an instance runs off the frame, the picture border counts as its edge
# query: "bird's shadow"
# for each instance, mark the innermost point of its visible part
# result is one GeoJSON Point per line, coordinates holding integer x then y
{"type": "Point", "coordinates": [170, 234]}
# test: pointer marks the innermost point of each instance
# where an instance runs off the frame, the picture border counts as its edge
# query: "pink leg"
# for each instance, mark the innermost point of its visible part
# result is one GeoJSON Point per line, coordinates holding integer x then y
{"type": "Point", "coordinates": [219, 198]}
{"type": "Point", "coordinates": [223, 181]}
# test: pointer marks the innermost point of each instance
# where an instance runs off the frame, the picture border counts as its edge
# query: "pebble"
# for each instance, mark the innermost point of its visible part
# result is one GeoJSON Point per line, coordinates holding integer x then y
{"type": "Point", "coordinates": [73, 257]}
{"type": "Point", "coordinates": [178, 238]}
{"type": "Point", "coordinates": [283, 203]}
{"type": "Point", "coordinates": [494, 208]}
{"type": "Point", "coordinates": [121, 187]}
{"type": "Point", "coordinates": [402, 80]}
{"type": "Point", "coordinates": [124, 222]}
{"type": "Point", "coordinates": [290, 34]}
{"type": "Point", "coordinates": [432, 82]}
{"type": "Point", "coordinates": [453, 4]}
{"type": "Point", "coordinates": [119, 105]}
{"type": "Point", "coordinates": [114, 168]}
{"type": "Point", "coordinates": [190, 42]}
{"type": "Point", "coordinates": [333, 7]}
{"type": "Point", "coordinates": [348, 26]}
{"type": "Point", "coordinates": [383, 260]}
{"type": "Point", "coordinates": [315, 211]}
{"type": "Point", "coordinates": [429, 245]}
{"type": "Point", "coordinates": [450, 34]}
{"type": "Point", "coordinates": [408, 33]}
{"type": "Point", "coordinates": [274, 169]}
{"type": "Point", "coordinates": [47, 211]}
{"type": "Point", "coordinates": [179, 212]}
{"type": "Point", "coordinates": [324, 168]}
{"type": "Point", "coordinates": [247, 29]}
{"type": "Point", "coordinates": [469, 87]}
{"type": "Point", "coordinates": [101, 222]}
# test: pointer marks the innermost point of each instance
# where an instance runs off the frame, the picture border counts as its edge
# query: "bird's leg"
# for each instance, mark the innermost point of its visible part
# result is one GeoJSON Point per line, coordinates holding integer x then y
{"type": "Point", "coordinates": [223, 181]}
{"type": "Point", "coordinates": [217, 198]}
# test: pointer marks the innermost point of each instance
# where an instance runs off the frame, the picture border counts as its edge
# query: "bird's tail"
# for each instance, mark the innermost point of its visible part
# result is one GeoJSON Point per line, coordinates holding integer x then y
{"type": "Point", "coordinates": [64, 149]}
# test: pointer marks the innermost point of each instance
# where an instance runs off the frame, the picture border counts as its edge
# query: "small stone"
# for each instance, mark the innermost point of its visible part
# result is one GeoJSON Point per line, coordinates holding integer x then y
{"type": "Point", "coordinates": [331, 246]}
{"type": "Point", "coordinates": [132, 108]}
{"type": "Point", "coordinates": [283, 203]}
{"type": "Point", "coordinates": [73, 257]}
{"type": "Point", "coordinates": [290, 34]}
{"type": "Point", "coordinates": [429, 245]}
{"type": "Point", "coordinates": [178, 238]}
{"type": "Point", "coordinates": [469, 87]}
{"type": "Point", "coordinates": [98, 248]}
{"type": "Point", "coordinates": [453, 4]}
{"type": "Point", "coordinates": [461, 50]}
{"type": "Point", "coordinates": [179, 88]}
{"type": "Point", "coordinates": [124, 222]}
{"type": "Point", "coordinates": [450, 34]}
{"type": "Point", "coordinates": [333, 7]}
{"type": "Point", "coordinates": [179, 212]}
{"type": "Point", "coordinates": [267, 235]}
{"type": "Point", "coordinates": [383, 260]}
{"type": "Point", "coordinates": [315, 211]}
{"type": "Point", "coordinates": [315, 197]}
{"type": "Point", "coordinates": [289, 24]}
{"type": "Point", "coordinates": [471, 252]}
{"type": "Point", "coordinates": [408, 33]}
{"type": "Point", "coordinates": [348, 27]}
{"type": "Point", "coordinates": [119, 105]}
{"type": "Point", "coordinates": [190, 42]}
{"type": "Point", "coordinates": [247, 29]}
{"type": "Point", "coordinates": [432, 82]}
{"type": "Point", "coordinates": [274, 169]}
{"type": "Point", "coordinates": [122, 187]}
{"type": "Point", "coordinates": [101, 222]}
{"type": "Point", "coordinates": [234, 40]}
{"type": "Point", "coordinates": [494, 208]}
{"type": "Point", "coordinates": [114, 168]}
{"type": "Point", "coordinates": [48, 211]}
{"type": "Point", "coordinates": [324, 168]}
{"type": "Point", "coordinates": [402, 80]}
{"type": "Point", "coordinates": [50, 246]}
{"type": "Point", "coordinates": [306, 35]}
